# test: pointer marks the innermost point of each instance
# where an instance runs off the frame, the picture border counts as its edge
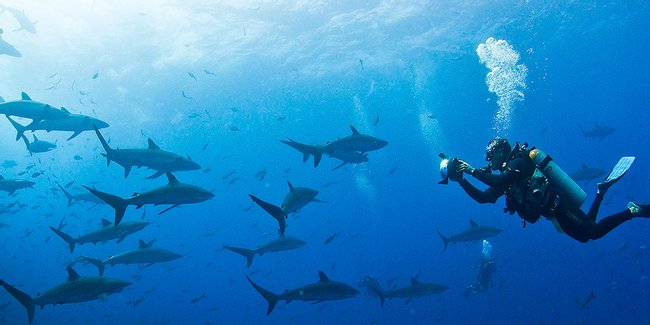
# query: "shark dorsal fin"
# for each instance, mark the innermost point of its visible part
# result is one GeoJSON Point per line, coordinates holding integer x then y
{"type": "Point", "coordinates": [354, 130]}
{"type": "Point", "coordinates": [322, 277]}
{"type": "Point", "coordinates": [188, 157]}
{"type": "Point", "coordinates": [106, 223]}
{"type": "Point", "coordinates": [35, 138]}
{"type": "Point", "coordinates": [583, 166]}
{"type": "Point", "coordinates": [143, 244]}
{"type": "Point", "coordinates": [473, 223]}
{"type": "Point", "coordinates": [291, 189]}
{"type": "Point", "coordinates": [72, 274]}
{"type": "Point", "coordinates": [65, 110]}
{"type": "Point", "coordinates": [414, 281]}
{"type": "Point", "coordinates": [24, 96]}
{"type": "Point", "coordinates": [172, 179]}
{"type": "Point", "coordinates": [152, 145]}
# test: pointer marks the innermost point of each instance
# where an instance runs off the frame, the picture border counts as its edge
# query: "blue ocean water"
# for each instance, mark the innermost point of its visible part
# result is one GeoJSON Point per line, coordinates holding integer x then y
{"type": "Point", "coordinates": [224, 81]}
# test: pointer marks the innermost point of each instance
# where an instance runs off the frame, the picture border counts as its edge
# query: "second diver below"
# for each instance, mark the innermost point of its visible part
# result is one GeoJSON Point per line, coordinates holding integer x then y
{"type": "Point", "coordinates": [532, 192]}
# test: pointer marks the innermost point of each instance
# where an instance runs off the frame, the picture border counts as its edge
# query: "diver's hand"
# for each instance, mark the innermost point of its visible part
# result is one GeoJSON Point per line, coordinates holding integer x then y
{"type": "Point", "coordinates": [463, 166]}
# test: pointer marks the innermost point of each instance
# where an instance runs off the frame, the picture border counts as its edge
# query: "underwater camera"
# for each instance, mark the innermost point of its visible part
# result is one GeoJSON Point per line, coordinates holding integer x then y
{"type": "Point", "coordinates": [448, 169]}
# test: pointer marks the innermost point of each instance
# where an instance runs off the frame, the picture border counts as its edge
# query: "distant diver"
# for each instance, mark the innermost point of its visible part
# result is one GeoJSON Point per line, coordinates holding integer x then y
{"type": "Point", "coordinates": [535, 186]}
{"type": "Point", "coordinates": [486, 269]}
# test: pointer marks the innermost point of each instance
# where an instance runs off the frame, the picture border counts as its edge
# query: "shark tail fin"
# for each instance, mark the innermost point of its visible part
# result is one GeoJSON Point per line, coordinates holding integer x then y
{"type": "Point", "coordinates": [306, 150]}
{"type": "Point", "coordinates": [248, 253]}
{"type": "Point", "coordinates": [98, 263]}
{"type": "Point", "coordinates": [270, 297]}
{"type": "Point", "coordinates": [275, 211]}
{"type": "Point", "coordinates": [317, 158]}
{"type": "Point", "coordinates": [20, 130]}
{"type": "Point", "coordinates": [68, 239]}
{"type": "Point", "coordinates": [27, 144]}
{"type": "Point", "coordinates": [445, 240]}
{"type": "Point", "coordinates": [22, 297]}
{"type": "Point", "coordinates": [107, 148]}
{"type": "Point", "coordinates": [118, 203]}
{"type": "Point", "coordinates": [67, 194]}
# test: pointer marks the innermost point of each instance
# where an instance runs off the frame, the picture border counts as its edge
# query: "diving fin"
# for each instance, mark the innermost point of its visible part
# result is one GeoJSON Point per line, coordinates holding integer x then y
{"type": "Point", "coordinates": [620, 169]}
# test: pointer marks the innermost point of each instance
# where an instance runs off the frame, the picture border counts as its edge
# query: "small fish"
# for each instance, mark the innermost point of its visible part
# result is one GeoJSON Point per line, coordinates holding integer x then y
{"type": "Point", "coordinates": [330, 238]}
{"type": "Point", "coordinates": [361, 63]}
{"type": "Point", "coordinates": [232, 181]}
{"type": "Point", "coordinates": [192, 76]}
{"type": "Point", "coordinates": [22, 173]}
{"type": "Point", "coordinates": [197, 299]}
{"type": "Point", "coordinates": [209, 72]}
{"type": "Point", "coordinates": [77, 157]}
{"type": "Point", "coordinates": [36, 174]}
{"type": "Point", "coordinates": [194, 114]}
{"type": "Point", "coordinates": [207, 170]}
{"type": "Point", "coordinates": [234, 128]}
{"type": "Point", "coordinates": [83, 92]}
{"type": "Point", "coordinates": [68, 184]}
{"type": "Point", "coordinates": [96, 75]}
{"type": "Point", "coordinates": [52, 76]}
{"type": "Point", "coordinates": [392, 171]}
{"type": "Point", "coordinates": [204, 147]}
{"type": "Point", "coordinates": [184, 95]}
{"type": "Point", "coordinates": [228, 175]}
{"type": "Point", "coordinates": [207, 113]}
{"type": "Point", "coordinates": [376, 120]}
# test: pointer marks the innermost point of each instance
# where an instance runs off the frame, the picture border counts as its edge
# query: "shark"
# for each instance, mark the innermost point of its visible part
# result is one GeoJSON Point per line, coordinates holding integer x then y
{"type": "Point", "coordinates": [475, 232]}
{"type": "Point", "coordinates": [413, 290]}
{"type": "Point", "coordinates": [38, 146]}
{"type": "Point", "coordinates": [323, 290]}
{"type": "Point", "coordinates": [12, 185]}
{"type": "Point", "coordinates": [275, 211]}
{"type": "Point", "coordinates": [282, 243]}
{"type": "Point", "coordinates": [22, 19]}
{"type": "Point", "coordinates": [297, 198]}
{"type": "Point", "coordinates": [152, 157]}
{"type": "Point", "coordinates": [106, 233]}
{"type": "Point", "coordinates": [75, 290]}
{"type": "Point", "coordinates": [174, 193]}
{"type": "Point", "coordinates": [31, 109]}
{"type": "Point", "coordinates": [356, 142]}
{"type": "Point", "coordinates": [597, 131]}
{"type": "Point", "coordinates": [7, 49]}
{"type": "Point", "coordinates": [85, 197]}
{"type": "Point", "coordinates": [586, 173]}
{"type": "Point", "coordinates": [348, 158]}
{"type": "Point", "coordinates": [75, 123]}
{"type": "Point", "coordinates": [144, 254]}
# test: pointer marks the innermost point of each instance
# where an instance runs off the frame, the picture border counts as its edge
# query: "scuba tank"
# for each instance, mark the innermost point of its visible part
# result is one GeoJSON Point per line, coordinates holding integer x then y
{"type": "Point", "coordinates": [569, 191]}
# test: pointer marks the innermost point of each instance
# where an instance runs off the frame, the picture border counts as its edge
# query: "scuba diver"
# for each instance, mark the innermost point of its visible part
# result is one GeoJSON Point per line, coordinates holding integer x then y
{"type": "Point", "coordinates": [535, 186]}
{"type": "Point", "coordinates": [486, 269]}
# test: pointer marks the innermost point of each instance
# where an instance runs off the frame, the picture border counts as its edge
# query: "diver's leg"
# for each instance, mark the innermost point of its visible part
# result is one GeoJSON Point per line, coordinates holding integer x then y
{"type": "Point", "coordinates": [574, 223]}
{"type": "Point", "coordinates": [607, 224]}
{"type": "Point", "coordinates": [593, 210]}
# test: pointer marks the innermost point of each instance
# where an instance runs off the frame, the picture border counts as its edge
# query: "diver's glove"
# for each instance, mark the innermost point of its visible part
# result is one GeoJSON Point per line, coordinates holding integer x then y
{"type": "Point", "coordinates": [463, 166]}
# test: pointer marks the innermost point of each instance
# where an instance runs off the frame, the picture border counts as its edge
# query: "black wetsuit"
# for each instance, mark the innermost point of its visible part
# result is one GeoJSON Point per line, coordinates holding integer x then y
{"type": "Point", "coordinates": [573, 221]}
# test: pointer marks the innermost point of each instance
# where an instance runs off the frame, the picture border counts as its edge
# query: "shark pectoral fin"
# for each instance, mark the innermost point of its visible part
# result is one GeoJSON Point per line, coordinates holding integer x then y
{"type": "Point", "coordinates": [74, 135]}
{"type": "Point", "coordinates": [318, 200]}
{"type": "Point", "coordinates": [127, 170]}
{"type": "Point", "coordinates": [156, 175]}
{"type": "Point", "coordinates": [171, 207]}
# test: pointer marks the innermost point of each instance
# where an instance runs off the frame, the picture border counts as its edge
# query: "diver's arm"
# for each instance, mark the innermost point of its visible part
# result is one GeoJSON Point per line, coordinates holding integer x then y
{"type": "Point", "coordinates": [508, 176]}
{"type": "Point", "coordinates": [490, 195]}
